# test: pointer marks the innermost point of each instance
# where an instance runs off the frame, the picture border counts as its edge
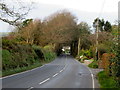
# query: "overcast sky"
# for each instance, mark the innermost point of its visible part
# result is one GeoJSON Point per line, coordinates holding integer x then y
{"type": "Point", "coordinates": [84, 10]}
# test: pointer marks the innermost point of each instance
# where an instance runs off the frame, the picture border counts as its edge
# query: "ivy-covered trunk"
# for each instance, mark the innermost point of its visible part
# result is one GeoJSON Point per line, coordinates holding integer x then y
{"type": "Point", "coordinates": [115, 66]}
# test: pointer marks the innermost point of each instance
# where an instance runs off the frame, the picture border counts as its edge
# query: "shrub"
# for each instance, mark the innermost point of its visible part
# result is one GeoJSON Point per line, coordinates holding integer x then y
{"type": "Point", "coordinates": [17, 55]}
{"type": "Point", "coordinates": [106, 81]}
{"type": "Point", "coordinates": [7, 44]}
{"type": "Point", "coordinates": [48, 47]}
{"type": "Point", "coordinates": [102, 49]}
{"type": "Point", "coordinates": [87, 53]}
{"type": "Point", "coordinates": [49, 55]}
{"type": "Point", "coordinates": [6, 59]}
{"type": "Point", "coordinates": [94, 64]}
{"type": "Point", "coordinates": [38, 52]}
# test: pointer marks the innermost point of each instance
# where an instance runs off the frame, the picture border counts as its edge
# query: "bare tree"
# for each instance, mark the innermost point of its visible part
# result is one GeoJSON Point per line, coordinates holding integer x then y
{"type": "Point", "coordinates": [13, 12]}
{"type": "Point", "coordinates": [31, 31]}
{"type": "Point", "coordinates": [60, 27]}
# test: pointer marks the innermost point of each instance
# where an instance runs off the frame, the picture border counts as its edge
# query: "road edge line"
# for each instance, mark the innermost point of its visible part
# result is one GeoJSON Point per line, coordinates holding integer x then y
{"type": "Point", "coordinates": [21, 72]}
{"type": "Point", "coordinates": [30, 88]}
{"type": "Point", "coordinates": [93, 82]}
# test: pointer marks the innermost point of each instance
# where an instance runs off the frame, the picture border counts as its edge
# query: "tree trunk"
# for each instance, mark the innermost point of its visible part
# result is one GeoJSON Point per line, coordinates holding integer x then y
{"type": "Point", "coordinates": [32, 41]}
{"type": "Point", "coordinates": [27, 40]}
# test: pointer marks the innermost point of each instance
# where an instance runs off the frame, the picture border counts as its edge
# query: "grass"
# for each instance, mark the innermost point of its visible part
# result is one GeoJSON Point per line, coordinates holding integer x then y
{"type": "Point", "coordinates": [18, 70]}
{"type": "Point", "coordinates": [106, 81]}
{"type": "Point", "coordinates": [93, 64]}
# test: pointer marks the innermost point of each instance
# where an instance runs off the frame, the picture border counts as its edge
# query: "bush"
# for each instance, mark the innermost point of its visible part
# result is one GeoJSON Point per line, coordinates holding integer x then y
{"type": "Point", "coordinates": [106, 81]}
{"type": "Point", "coordinates": [17, 55]}
{"type": "Point", "coordinates": [102, 49]}
{"type": "Point", "coordinates": [38, 52]}
{"type": "Point", "coordinates": [87, 53]}
{"type": "Point", "coordinates": [93, 64]}
{"type": "Point", "coordinates": [49, 55]}
{"type": "Point", "coordinates": [7, 58]}
{"type": "Point", "coordinates": [8, 44]}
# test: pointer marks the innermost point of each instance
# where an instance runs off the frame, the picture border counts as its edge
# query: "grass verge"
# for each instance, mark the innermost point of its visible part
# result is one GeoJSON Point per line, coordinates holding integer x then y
{"type": "Point", "coordinates": [106, 81]}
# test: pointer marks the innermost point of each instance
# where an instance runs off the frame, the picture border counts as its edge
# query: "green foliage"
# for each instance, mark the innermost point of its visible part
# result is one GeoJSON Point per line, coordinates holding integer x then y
{"type": "Point", "coordinates": [49, 55]}
{"type": "Point", "coordinates": [87, 53]}
{"type": "Point", "coordinates": [85, 43]}
{"type": "Point", "coordinates": [47, 47]}
{"type": "Point", "coordinates": [7, 43]}
{"type": "Point", "coordinates": [17, 56]}
{"type": "Point", "coordinates": [20, 69]}
{"type": "Point", "coordinates": [106, 81]}
{"type": "Point", "coordinates": [45, 53]}
{"type": "Point", "coordinates": [103, 26]}
{"type": "Point", "coordinates": [26, 22]}
{"type": "Point", "coordinates": [38, 51]}
{"type": "Point", "coordinates": [116, 62]}
{"type": "Point", "coordinates": [83, 28]}
{"type": "Point", "coordinates": [94, 64]}
{"type": "Point", "coordinates": [102, 48]}
{"type": "Point", "coordinates": [6, 56]}
{"type": "Point", "coordinates": [108, 27]}
{"type": "Point", "coordinates": [100, 23]}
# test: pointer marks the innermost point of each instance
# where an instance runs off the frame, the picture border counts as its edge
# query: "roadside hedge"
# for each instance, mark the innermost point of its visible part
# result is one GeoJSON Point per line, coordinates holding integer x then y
{"type": "Point", "coordinates": [15, 55]}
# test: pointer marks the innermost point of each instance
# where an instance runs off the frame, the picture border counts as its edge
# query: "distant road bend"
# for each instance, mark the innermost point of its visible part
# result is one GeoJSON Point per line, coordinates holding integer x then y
{"type": "Point", "coordinates": [63, 72]}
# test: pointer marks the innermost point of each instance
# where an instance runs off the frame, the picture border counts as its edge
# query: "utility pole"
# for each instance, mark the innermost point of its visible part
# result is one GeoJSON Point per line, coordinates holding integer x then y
{"type": "Point", "coordinates": [97, 30]}
{"type": "Point", "coordinates": [79, 46]}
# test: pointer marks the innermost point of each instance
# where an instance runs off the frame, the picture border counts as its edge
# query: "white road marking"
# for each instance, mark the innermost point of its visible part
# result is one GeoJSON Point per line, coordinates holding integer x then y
{"type": "Point", "coordinates": [32, 70]}
{"type": "Point", "coordinates": [55, 74]}
{"type": "Point", "coordinates": [44, 81]}
{"type": "Point", "coordinates": [61, 70]}
{"type": "Point", "coordinates": [30, 88]}
{"type": "Point", "coordinates": [21, 72]}
{"type": "Point", "coordinates": [93, 82]}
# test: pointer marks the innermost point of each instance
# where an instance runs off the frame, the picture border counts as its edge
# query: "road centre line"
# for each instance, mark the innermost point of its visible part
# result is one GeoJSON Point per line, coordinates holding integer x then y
{"type": "Point", "coordinates": [61, 70]}
{"type": "Point", "coordinates": [52, 76]}
{"type": "Point", "coordinates": [55, 74]}
{"type": "Point", "coordinates": [44, 81]}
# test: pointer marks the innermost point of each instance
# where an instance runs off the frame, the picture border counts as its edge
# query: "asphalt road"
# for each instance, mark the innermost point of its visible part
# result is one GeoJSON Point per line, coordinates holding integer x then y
{"type": "Point", "coordinates": [63, 72]}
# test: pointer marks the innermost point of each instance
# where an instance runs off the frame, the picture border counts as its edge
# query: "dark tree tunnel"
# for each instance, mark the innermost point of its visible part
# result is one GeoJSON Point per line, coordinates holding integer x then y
{"type": "Point", "coordinates": [73, 45]}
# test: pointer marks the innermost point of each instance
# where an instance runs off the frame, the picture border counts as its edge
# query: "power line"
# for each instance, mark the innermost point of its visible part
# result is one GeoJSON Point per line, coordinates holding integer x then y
{"type": "Point", "coordinates": [101, 11]}
{"type": "Point", "coordinates": [97, 29]}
